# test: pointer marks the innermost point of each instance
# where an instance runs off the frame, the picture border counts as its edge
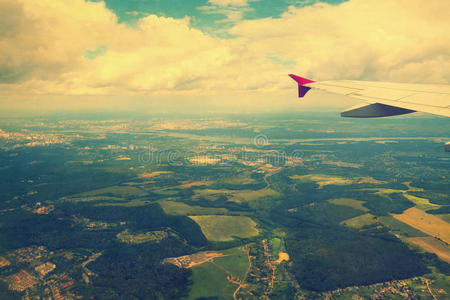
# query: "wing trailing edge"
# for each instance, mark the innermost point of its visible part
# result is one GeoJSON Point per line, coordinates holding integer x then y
{"type": "Point", "coordinates": [375, 110]}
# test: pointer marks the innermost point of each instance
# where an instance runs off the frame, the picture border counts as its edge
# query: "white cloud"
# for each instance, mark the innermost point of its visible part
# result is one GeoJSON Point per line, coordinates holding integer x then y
{"type": "Point", "coordinates": [380, 40]}
{"type": "Point", "coordinates": [43, 46]}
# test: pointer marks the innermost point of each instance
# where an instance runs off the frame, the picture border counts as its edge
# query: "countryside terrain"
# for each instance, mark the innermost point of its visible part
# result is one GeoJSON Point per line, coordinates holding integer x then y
{"type": "Point", "coordinates": [270, 206]}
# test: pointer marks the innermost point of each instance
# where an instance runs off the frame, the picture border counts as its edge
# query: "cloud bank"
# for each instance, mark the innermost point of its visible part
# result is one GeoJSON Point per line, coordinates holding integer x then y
{"type": "Point", "coordinates": [75, 47]}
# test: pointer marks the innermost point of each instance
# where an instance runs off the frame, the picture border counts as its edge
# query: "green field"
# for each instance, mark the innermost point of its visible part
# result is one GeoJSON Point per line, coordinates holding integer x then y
{"type": "Point", "coordinates": [236, 261]}
{"type": "Point", "coordinates": [421, 203]}
{"type": "Point", "coordinates": [210, 279]}
{"type": "Point", "coordinates": [225, 228]}
{"type": "Point", "coordinates": [97, 198]}
{"type": "Point", "coordinates": [445, 217]}
{"type": "Point", "coordinates": [249, 195]}
{"type": "Point", "coordinates": [360, 221]}
{"type": "Point", "coordinates": [240, 179]}
{"type": "Point", "coordinates": [179, 208]}
{"type": "Point", "coordinates": [275, 244]}
{"type": "Point", "coordinates": [356, 204]}
{"type": "Point", "coordinates": [131, 203]}
{"type": "Point", "coordinates": [400, 227]}
{"type": "Point", "coordinates": [120, 191]}
{"type": "Point", "coordinates": [323, 180]}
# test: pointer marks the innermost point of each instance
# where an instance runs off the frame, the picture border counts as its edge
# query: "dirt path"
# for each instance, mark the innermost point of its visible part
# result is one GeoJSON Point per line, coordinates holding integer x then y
{"type": "Point", "coordinates": [428, 287]}
{"type": "Point", "coordinates": [245, 275]}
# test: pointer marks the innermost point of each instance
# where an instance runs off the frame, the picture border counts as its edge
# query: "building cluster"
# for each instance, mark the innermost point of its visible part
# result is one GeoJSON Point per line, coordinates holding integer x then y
{"type": "Point", "coordinates": [44, 210]}
{"type": "Point", "coordinates": [44, 269]}
{"type": "Point", "coordinates": [31, 272]}
{"type": "Point", "coordinates": [29, 254]}
{"type": "Point", "coordinates": [59, 286]}
{"type": "Point", "coordinates": [21, 281]}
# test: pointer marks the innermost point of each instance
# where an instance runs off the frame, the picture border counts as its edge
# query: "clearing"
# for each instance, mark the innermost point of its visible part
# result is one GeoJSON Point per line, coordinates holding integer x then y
{"type": "Point", "coordinates": [219, 277]}
{"type": "Point", "coordinates": [154, 174]}
{"type": "Point", "coordinates": [323, 180]}
{"type": "Point", "coordinates": [225, 228]}
{"type": "Point", "coordinates": [360, 221]}
{"type": "Point", "coordinates": [180, 208]}
{"type": "Point", "coordinates": [356, 204]}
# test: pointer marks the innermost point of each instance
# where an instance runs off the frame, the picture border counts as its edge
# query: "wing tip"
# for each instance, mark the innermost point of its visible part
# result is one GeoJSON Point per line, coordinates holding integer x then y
{"type": "Point", "coordinates": [300, 80]}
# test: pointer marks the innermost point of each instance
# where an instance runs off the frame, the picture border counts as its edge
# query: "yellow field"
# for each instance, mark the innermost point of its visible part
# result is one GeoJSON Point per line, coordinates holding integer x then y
{"type": "Point", "coordinates": [426, 223]}
{"type": "Point", "coordinates": [154, 174]}
{"type": "Point", "coordinates": [195, 183]}
{"type": "Point", "coordinates": [421, 203]}
{"type": "Point", "coordinates": [225, 228]}
{"type": "Point", "coordinates": [432, 245]}
{"type": "Point", "coordinates": [323, 180]}
{"type": "Point", "coordinates": [250, 195]}
{"type": "Point", "coordinates": [179, 208]}
{"type": "Point", "coordinates": [360, 221]}
{"type": "Point", "coordinates": [356, 204]}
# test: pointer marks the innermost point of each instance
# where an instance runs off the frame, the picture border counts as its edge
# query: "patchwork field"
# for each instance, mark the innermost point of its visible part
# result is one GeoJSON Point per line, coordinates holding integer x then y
{"type": "Point", "coordinates": [400, 228]}
{"type": "Point", "coordinates": [360, 221]}
{"type": "Point", "coordinates": [219, 277]}
{"type": "Point", "coordinates": [432, 245]}
{"type": "Point", "coordinates": [427, 223]}
{"type": "Point", "coordinates": [180, 208]}
{"type": "Point", "coordinates": [356, 204]}
{"type": "Point", "coordinates": [225, 228]}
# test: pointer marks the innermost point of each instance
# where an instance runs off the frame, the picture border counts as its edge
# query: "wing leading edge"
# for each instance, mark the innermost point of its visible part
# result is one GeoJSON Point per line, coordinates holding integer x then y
{"type": "Point", "coordinates": [383, 99]}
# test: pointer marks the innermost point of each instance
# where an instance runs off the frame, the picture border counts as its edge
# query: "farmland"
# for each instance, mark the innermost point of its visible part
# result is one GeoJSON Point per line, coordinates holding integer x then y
{"type": "Point", "coordinates": [427, 223]}
{"type": "Point", "coordinates": [226, 228]}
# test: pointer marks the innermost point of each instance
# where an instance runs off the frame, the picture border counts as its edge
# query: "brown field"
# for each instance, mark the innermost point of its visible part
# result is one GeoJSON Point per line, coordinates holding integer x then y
{"type": "Point", "coordinates": [426, 223]}
{"type": "Point", "coordinates": [189, 261]}
{"type": "Point", "coordinates": [432, 245]}
{"type": "Point", "coordinates": [154, 174]}
{"type": "Point", "coordinates": [191, 184]}
{"type": "Point", "coordinates": [282, 256]}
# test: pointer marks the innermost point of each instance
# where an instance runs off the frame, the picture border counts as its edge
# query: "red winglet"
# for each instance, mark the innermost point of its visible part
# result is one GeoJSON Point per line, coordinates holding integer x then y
{"type": "Point", "coordinates": [302, 90]}
{"type": "Point", "coordinates": [301, 80]}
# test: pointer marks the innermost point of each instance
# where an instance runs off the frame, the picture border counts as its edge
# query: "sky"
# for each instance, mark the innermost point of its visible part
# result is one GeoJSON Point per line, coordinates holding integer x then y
{"type": "Point", "coordinates": [145, 54]}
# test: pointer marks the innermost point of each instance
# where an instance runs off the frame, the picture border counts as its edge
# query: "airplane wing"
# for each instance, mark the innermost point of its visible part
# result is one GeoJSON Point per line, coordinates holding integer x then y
{"type": "Point", "coordinates": [383, 99]}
